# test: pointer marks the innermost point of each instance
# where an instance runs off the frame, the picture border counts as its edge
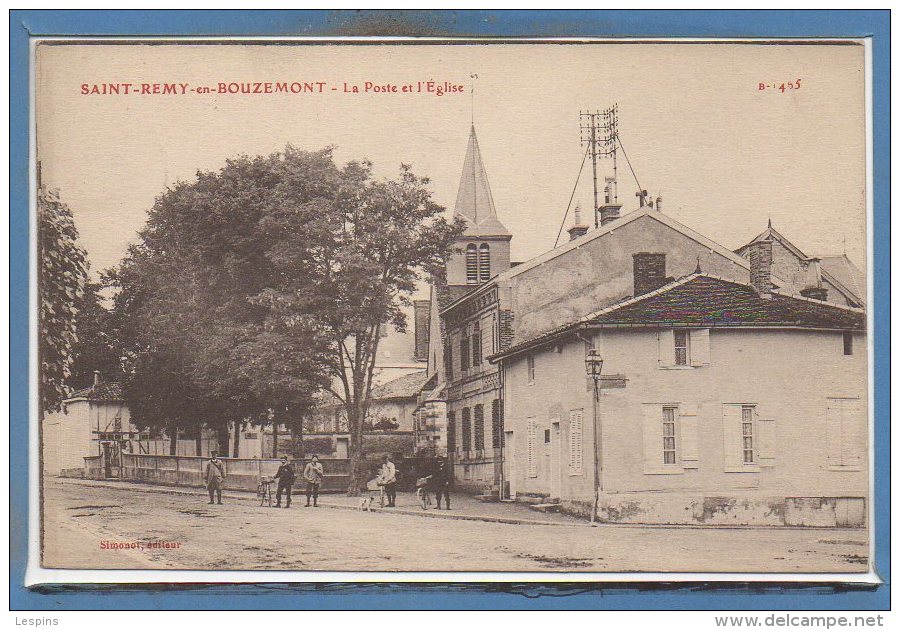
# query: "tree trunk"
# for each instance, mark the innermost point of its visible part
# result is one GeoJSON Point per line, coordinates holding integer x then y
{"type": "Point", "coordinates": [237, 439]}
{"type": "Point", "coordinates": [198, 443]}
{"type": "Point", "coordinates": [357, 454]}
{"type": "Point", "coordinates": [223, 439]}
{"type": "Point", "coordinates": [173, 440]}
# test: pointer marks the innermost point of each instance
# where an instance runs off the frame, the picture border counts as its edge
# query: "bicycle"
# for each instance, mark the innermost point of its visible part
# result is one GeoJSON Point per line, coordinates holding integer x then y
{"type": "Point", "coordinates": [264, 491]}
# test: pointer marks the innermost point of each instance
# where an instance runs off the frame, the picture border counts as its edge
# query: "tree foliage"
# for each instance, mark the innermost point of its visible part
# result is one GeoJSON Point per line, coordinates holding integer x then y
{"type": "Point", "coordinates": [255, 287]}
{"type": "Point", "coordinates": [62, 273]}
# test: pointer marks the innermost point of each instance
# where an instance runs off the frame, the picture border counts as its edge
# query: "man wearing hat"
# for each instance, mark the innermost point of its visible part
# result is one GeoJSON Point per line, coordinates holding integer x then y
{"type": "Point", "coordinates": [285, 477]}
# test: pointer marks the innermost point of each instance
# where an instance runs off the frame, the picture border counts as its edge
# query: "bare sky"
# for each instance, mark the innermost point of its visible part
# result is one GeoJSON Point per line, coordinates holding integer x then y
{"type": "Point", "coordinates": [724, 155]}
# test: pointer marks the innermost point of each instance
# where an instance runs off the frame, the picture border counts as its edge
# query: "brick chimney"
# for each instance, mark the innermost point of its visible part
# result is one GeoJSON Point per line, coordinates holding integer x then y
{"type": "Point", "coordinates": [649, 272]}
{"type": "Point", "coordinates": [609, 213]}
{"type": "Point", "coordinates": [578, 229]}
{"type": "Point", "coordinates": [815, 293]}
{"type": "Point", "coordinates": [420, 324]}
{"type": "Point", "coordinates": [760, 253]}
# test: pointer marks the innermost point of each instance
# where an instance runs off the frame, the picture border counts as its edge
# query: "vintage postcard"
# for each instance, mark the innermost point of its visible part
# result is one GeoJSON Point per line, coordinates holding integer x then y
{"type": "Point", "coordinates": [452, 310]}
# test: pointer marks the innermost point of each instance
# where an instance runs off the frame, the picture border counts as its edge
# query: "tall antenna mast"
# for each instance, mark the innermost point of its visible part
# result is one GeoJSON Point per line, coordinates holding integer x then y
{"type": "Point", "coordinates": [599, 131]}
{"type": "Point", "coordinates": [589, 137]}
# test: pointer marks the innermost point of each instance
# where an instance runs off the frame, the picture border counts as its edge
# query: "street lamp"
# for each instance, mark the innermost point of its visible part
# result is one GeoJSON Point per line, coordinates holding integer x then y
{"type": "Point", "coordinates": [593, 364]}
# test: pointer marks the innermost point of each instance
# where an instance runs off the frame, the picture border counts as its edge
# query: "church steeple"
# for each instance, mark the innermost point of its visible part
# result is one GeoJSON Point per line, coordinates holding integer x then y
{"type": "Point", "coordinates": [474, 201]}
{"type": "Point", "coordinates": [484, 245]}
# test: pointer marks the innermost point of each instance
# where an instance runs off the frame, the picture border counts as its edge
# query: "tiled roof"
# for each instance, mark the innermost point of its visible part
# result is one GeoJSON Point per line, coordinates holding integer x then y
{"type": "Point", "coordinates": [404, 387]}
{"type": "Point", "coordinates": [103, 391]}
{"type": "Point", "coordinates": [710, 302]}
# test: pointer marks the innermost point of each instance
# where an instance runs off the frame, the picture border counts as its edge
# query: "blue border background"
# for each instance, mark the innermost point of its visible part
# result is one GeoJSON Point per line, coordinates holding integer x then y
{"type": "Point", "coordinates": [26, 23]}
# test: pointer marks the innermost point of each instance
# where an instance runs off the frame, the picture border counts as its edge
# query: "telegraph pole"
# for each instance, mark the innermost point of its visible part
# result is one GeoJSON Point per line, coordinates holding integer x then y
{"type": "Point", "coordinates": [599, 131]}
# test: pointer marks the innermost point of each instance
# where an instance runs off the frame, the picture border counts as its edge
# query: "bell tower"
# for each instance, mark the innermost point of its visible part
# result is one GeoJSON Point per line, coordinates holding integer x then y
{"type": "Point", "coordinates": [483, 249]}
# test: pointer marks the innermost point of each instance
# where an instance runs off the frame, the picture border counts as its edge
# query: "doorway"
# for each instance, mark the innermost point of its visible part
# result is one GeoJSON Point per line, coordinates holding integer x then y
{"type": "Point", "coordinates": [555, 461]}
{"type": "Point", "coordinates": [509, 463]}
{"type": "Point", "coordinates": [342, 448]}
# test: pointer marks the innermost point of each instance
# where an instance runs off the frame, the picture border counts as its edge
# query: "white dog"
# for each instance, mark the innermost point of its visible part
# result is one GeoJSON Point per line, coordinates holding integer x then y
{"type": "Point", "coordinates": [365, 503]}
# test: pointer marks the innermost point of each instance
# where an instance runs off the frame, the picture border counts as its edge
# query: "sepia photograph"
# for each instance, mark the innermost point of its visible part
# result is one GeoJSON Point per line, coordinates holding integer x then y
{"type": "Point", "coordinates": [568, 309]}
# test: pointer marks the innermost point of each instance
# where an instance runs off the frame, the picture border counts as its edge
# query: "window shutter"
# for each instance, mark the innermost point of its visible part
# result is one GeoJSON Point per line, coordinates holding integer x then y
{"type": "Point", "coordinates": [530, 440]}
{"type": "Point", "coordinates": [690, 436]}
{"type": "Point", "coordinates": [767, 441]}
{"type": "Point", "coordinates": [653, 438]}
{"type": "Point", "coordinates": [733, 438]}
{"type": "Point", "coordinates": [666, 343]}
{"type": "Point", "coordinates": [853, 423]}
{"type": "Point", "coordinates": [833, 432]}
{"type": "Point", "coordinates": [576, 442]}
{"type": "Point", "coordinates": [700, 347]}
{"type": "Point", "coordinates": [487, 339]}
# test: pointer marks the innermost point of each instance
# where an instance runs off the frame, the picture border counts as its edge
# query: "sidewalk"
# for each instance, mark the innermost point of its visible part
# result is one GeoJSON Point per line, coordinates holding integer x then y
{"type": "Point", "coordinates": [464, 507]}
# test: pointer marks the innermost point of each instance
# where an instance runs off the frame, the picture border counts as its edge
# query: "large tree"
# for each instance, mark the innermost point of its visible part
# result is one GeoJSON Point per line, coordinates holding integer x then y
{"type": "Point", "coordinates": [273, 279]}
{"type": "Point", "coordinates": [349, 263]}
{"type": "Point", "coordinates": [62, 274]}
{"type": "Point", "coordinates": [97, 349]}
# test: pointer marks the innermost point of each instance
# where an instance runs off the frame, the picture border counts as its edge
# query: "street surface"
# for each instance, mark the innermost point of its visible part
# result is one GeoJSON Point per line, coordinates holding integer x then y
{"type": "Point", "coordinates": [88, 524]}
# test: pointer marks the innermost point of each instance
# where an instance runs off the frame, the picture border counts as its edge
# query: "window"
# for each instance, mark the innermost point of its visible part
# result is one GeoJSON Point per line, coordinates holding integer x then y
{"type": "Point", "coordinates": [476, 346]}
{"type": "Point", "coordinates": [466, 430]}
{"type": "Point", "coordinates": [848, 344]}
{"type": "Point", "coordinates": [529, 361]}
{"type": "Point", "coordinates": [530, 439]}
{"type": "Point", "coordinates": [479, 427]}
{"type": "Point", "coordinates": [546, 436]}
{"type": "Point", "coordinates": [471, 264]}
{"type": "Point", "coordinates": [747, 434]}
{"type": "Point", "coordinates": [464, 354]}
{"type": "Point", "coordinates": [484, 262]}
{"type": "Point", "coordinates": [682, 347]}
{"type": "Point", "coordinates": [845, 431]}
{"type": "Point", "coordinates": [451, 432]}
{"type": "Point", "coordinates": [496, 424]}
{"type": "Point", "coordinates": [668, 420]}
{"type": "Point", "coordinates": [448, 361]}
{"type": "Point", "coordinates": [576, 437]}
{"type": "Point", "coordinates": [741, 429]}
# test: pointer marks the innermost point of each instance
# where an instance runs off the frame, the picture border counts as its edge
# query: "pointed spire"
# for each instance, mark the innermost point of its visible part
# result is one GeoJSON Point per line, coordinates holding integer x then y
{"type": "Point", "coordinates": [473, 200]}
{"type": "Point", "coordinates": [770, 223]}
{"type": "Point", "coordinates": [698, 269]}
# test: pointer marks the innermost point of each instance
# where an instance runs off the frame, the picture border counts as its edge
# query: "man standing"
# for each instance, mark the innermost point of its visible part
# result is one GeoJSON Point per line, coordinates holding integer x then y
{"type": "Point", "coordinates": [313, 473]}
{"type": "Point", "coordinates": [215, 476]}
{"type": "Point", "coordinates": [285, 477]}
{"type": "Point", "coordinates": [441, 481]}
{"type": "Point", "coordinates": [389, 480]}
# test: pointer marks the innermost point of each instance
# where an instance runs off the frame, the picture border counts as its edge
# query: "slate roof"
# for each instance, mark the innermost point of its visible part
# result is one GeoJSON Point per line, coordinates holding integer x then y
{"type": "Point", "coordinates": [846, 273]}
{"type": "Point", "coordinates": [710, 302]}
{"type": "Point", "coordinates": [111, 392]}
{"type": "Point", "coordinates": [407, 386]}
{"type": "Point", "coordinates": [474, 201]}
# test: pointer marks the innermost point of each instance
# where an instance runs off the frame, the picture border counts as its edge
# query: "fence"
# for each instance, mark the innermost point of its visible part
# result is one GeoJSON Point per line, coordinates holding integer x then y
{"type": "Point", "coordinates": [240, 474]}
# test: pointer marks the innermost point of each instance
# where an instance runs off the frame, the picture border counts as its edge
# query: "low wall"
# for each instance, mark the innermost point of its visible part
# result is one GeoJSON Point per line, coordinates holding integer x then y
{"type": "Point", "coordinates": [240, 474]}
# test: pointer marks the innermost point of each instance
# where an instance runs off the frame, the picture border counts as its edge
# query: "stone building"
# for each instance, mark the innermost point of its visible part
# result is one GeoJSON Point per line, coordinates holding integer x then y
{"type": "Point", "coordinates": [834, 279]}
{"type": "Point", "coordinates": [460, 412]}
{"type": "Point", "coordinates": [96, 422]}
{"type": "Point", "coordinates": [721, 402]}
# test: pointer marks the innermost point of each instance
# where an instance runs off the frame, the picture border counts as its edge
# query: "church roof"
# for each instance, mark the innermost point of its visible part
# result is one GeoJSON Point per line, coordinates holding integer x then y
{"type": "Point", "coordinates": [474, 201]}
